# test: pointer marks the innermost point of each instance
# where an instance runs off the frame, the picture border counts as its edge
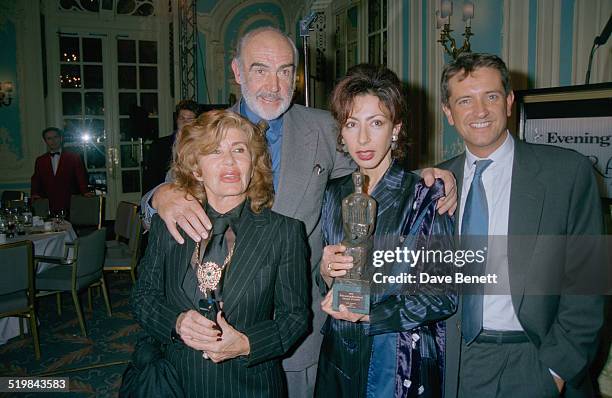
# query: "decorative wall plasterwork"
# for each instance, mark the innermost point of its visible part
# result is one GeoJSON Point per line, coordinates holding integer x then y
{"type": "Point", "coordinates": [11, 141]}
{"type": "Point", "coordinates": [140, 8]}
{"type": "Point", "coordinates": [20, 141]}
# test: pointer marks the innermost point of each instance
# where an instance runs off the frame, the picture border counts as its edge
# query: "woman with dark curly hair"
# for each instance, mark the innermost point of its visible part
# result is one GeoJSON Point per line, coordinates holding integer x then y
{"type": "Point", "coordinates": [228, 308]}
{"type": "Point", "coordinates": [397, 350]}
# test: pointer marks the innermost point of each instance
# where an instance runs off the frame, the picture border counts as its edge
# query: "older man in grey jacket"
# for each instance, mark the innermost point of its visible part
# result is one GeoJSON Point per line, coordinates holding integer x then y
{"type": "Point", "coordinates": [302, 145]}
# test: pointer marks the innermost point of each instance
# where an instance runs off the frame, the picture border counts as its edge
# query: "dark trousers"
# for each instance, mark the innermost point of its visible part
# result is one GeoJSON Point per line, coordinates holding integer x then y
{"type": "Point", "coordinates": [491, 370]}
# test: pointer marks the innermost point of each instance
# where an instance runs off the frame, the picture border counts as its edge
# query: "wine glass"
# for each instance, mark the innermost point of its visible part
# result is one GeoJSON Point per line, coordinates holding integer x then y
{"type": "Point", "coordinates": [10, 226]}
{"type": "Point", "coordinates": [56, 218]}
{"type": "Point", "coordinates": [61, 215]}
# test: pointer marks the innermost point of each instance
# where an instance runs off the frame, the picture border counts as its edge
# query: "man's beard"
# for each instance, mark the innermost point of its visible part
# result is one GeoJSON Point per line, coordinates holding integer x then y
{"type": "Point", "coordinates": [251, 101]}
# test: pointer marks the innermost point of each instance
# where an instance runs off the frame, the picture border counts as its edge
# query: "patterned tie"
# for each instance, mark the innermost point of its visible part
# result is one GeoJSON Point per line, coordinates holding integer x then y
{"type": "Point", "coordinates": [263, 126]}
{"type": "Point", "coordinates": [474, 231]}
{"type": "Point", "coordinates": [217, 250]}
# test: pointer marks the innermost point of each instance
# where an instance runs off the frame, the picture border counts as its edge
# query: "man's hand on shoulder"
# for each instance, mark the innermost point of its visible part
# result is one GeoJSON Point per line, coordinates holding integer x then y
{"type": "Point", "coordinates": [174, 206]}
{"type": "Point", "coordinates": [449, 202]}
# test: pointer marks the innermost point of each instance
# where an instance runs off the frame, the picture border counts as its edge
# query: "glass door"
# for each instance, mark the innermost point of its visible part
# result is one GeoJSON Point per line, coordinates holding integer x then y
{"type": "Point", "coordinates": [84, 95]}
{"type": "Point", "coordinates": [109, 91]}
{"type": "Point", "coordinates": [137, 118]}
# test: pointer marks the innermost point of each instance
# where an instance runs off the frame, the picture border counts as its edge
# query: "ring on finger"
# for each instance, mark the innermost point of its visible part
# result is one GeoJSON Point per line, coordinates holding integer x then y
{"type": "Point", "coordinates": [205, 355]}
{"type": "Point", "coordinates": [329, 268]}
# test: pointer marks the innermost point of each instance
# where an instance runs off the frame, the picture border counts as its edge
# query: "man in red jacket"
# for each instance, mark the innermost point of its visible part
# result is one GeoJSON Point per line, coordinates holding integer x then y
{"type": "Point", "coordinates": [58, 174]}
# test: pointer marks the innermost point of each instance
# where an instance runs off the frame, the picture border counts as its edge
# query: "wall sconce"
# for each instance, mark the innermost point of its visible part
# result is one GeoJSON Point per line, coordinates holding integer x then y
{"type": "Point", "coordinates": [6, 88]}
{"type": "Point", "coordinates": [443, 21]}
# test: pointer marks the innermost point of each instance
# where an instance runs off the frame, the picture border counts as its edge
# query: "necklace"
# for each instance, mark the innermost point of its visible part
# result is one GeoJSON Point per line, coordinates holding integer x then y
{"type": "Point", "coordinates": [209, 273]}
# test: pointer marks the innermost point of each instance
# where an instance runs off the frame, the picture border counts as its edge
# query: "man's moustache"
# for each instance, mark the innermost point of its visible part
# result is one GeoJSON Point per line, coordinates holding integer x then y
{"type": "Point", "coordinates": [269, 96]}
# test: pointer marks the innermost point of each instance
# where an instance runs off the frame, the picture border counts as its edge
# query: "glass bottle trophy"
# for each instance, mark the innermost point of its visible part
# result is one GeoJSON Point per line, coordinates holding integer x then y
{"type": "Point", "coordinates": [359, 218]}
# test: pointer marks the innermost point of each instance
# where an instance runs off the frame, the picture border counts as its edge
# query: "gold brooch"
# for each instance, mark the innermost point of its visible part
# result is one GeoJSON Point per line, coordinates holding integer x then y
{"type": "Point", "coordinates": [209, 273]}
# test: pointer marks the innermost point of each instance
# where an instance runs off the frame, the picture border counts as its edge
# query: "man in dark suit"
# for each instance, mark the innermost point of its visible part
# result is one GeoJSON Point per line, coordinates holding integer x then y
{"type": "Point", "coordinates": [517, 344]}
{"type": "Point", "coordinates": [159, 155]}
{"type": "Point", "coordinates": [58, 174]}
{"type": "Point", "coordinates": [302, 145]}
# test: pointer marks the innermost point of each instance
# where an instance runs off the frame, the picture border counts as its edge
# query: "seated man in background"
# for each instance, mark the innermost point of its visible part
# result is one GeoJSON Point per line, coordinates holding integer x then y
{"type": "Point", "coordinates": [58, 174]}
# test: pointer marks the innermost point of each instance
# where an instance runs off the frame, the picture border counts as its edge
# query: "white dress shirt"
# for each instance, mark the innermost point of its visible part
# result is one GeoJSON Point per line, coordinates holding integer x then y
{"type": "Point", "coordinates": [55, 161]}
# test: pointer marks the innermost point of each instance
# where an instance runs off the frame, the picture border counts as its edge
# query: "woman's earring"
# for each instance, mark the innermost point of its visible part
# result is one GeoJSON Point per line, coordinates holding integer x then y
{"type": "Point", "coordinates": [394, 143]}
{"type": "Point", "coordinates": [344, 147]}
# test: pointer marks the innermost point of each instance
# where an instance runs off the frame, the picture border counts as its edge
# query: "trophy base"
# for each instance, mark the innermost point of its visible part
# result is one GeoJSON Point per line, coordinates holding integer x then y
{"type": "Point", "coordinates": [354, 294]}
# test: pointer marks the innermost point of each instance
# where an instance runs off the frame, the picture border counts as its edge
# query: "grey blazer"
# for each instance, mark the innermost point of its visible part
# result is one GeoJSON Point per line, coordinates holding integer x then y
{"type": "Point", "coordinates": [553, 193]}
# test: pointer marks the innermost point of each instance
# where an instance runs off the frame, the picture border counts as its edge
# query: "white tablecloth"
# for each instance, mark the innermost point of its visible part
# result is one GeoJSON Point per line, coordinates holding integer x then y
{"type": "Point", "coordinates": [45, 244]}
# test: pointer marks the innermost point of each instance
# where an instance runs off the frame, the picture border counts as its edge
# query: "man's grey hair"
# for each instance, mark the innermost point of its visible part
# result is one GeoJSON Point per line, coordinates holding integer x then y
{"type": "Point", "coordinates": [244, 39]}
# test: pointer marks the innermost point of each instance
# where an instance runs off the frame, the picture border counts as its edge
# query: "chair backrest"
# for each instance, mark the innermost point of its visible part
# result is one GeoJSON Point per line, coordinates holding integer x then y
{"type": "Point", "coordinates": [86, 211]}
{"type": "Point", "coordinates": [135, 234]}
{"type": "Point", "coordinates": [12, 195]}
{"type": "Point", "coordinates": [124, 218]}
{"type": "Point", "coordinates": [15, 204]}
{"type": "Point", "coordinates": [90, 254]}
{"type": "Point", "coordinates": [40, 207]}
{"type": "Point", "coordinates": [16, 267]}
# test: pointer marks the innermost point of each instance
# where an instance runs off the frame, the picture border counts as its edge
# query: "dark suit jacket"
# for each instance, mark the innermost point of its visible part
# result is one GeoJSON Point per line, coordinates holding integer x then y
{"type": "Point", "coordinates": [553, 193]}
{"type": "Point", "coordinates": [69, 179]}
{"type": "Point", "coordinates": [157, 160]}
{"type": "Point", "coordinates": [265, 297]}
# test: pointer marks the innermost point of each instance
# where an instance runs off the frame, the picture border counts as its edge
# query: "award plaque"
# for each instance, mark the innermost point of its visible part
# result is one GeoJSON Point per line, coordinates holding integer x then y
{"type": "Point", "coordinates": [358, 219]}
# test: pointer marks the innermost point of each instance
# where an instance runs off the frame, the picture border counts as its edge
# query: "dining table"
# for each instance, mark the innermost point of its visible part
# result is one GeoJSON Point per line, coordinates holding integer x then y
{"type": "Point", "coordinates": [45, 243]}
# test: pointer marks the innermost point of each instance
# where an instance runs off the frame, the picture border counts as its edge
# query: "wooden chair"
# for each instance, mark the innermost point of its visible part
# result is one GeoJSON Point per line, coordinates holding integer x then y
{"type": "Point", "coordinates": [8, 196]}
{"type": "Point", "coordinates": [84, 270]}
{"type": "Point", "coordinates": [17, 285]}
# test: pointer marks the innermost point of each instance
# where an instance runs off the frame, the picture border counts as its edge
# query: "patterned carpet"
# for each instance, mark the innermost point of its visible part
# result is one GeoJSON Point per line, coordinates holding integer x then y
{"type": "Point", "coordinates": [94, 363]}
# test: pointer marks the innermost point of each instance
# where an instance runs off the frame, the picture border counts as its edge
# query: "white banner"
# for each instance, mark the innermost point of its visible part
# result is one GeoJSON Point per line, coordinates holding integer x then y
{"type": "Point", "coordinates": [591, 136]}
